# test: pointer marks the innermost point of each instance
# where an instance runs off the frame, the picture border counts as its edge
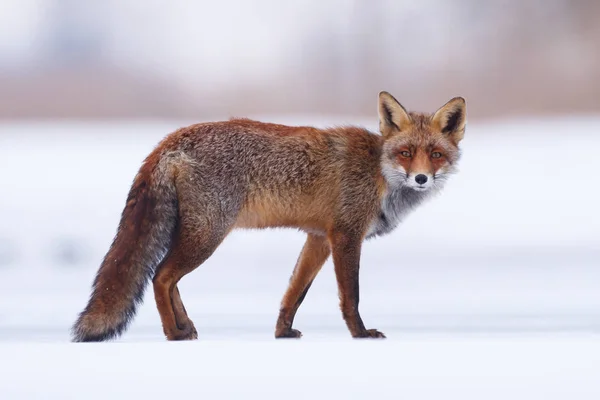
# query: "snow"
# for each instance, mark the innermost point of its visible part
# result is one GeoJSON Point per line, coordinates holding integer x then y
{"type": "Point", "coordinates": [490, 290]}
{"type": "Point", "coordinates": [422, 368]}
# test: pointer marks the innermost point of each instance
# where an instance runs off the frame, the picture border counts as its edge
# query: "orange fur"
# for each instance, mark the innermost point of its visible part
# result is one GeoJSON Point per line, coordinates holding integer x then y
{"type": "Point", "coordinates": [340, 185]}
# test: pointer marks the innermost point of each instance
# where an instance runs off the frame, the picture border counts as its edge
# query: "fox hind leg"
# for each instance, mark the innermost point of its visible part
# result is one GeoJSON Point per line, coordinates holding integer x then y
{"type": "Point", "coordinates": [183, 260]}
{"type": "Point", "coordinates": [181, 317]}
{"type": "Point", "coordinates": [203, 225]}
{"type": "Point", "coordinates": [194, 244]}
{"type": "Point", "coordinates": [314, 254]}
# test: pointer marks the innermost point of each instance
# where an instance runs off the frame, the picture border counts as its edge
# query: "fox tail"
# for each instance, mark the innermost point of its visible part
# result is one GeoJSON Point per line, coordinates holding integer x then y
{"type": "Point", "coordinates": [144, 235]}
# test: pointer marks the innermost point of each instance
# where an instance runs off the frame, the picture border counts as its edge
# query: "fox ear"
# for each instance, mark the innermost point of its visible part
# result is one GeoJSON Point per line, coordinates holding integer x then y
{"type": "Point", "coordinates": [451, 118]}
{"type": "Point", "coordinates": [392, 116]}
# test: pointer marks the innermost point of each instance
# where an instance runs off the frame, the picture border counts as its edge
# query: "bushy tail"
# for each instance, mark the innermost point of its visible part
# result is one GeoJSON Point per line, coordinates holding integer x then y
{"type": "Point", "coordinates": [144, 234]}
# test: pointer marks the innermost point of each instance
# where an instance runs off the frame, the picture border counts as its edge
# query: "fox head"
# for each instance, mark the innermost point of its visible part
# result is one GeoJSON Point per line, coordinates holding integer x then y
{"type": "Point", "coordinates": [420, 151]}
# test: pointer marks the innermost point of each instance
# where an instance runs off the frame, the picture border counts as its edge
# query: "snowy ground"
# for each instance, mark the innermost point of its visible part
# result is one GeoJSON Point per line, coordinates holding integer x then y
{"type": "Point", "coordinates": [491, 290]}
{"type": "Point", "coordinates": [439, 368]}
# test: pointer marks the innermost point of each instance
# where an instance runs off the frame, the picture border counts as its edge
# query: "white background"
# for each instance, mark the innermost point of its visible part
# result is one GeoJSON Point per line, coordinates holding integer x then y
{"type": "Point", "coordinates": [496, 277]}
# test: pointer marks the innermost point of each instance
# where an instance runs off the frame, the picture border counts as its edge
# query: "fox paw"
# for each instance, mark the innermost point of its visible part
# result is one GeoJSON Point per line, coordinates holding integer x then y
{"type": "Point", "coordinates": [187, 333]}
{"type": "Point", "coordinates": [371, 333]}
{"type": "Point", "coordinates": [288, 334]}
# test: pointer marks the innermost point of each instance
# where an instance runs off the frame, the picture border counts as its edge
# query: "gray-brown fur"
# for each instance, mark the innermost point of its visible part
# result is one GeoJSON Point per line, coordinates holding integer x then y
{"type": "Point", "coordinates": [203, 181]}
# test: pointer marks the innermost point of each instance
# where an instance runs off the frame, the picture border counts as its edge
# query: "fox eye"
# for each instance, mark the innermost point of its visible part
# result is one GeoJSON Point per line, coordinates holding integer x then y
{"type": "Point", "coordinates": [436, 154]}
{"type": "Point", "coordinates": [405, 154]}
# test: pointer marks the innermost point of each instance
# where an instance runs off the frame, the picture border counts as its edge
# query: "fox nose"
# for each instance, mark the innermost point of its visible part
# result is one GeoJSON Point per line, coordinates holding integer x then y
{"type": "Point", "coordinates": [421, 179]}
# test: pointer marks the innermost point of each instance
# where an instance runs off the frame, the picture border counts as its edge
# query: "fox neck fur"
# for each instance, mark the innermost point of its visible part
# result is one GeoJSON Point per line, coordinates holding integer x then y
{"type": "Point", "coordinates": [397, 203]}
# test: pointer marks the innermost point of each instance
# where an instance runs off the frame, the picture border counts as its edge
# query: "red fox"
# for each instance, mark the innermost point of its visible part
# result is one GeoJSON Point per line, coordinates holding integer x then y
{"type": "Point", "coordinates": [340, 185]}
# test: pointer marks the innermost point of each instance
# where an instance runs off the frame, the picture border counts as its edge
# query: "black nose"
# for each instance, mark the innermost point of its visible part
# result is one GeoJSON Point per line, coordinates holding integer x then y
{"type": "Point", "coordinates": [421, 179]}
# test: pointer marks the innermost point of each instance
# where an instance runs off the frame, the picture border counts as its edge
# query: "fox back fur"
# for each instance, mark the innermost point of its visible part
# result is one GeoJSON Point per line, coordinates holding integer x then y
{"type": "Point", "coordinates": [340, 185]}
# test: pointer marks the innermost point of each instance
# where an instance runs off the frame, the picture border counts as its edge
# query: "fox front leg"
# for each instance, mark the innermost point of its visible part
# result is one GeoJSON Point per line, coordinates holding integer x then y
{"type": "Point", "coordinates": [314, 254]}
{"type": "Point", "coordinates": [346, 259]}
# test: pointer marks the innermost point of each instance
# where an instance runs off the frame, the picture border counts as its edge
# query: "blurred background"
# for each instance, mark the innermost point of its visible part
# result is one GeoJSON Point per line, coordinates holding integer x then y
{"type": "Point", "coordinates": [88, 88]}
{"type": "Point", "coordinates": [209, 59]}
